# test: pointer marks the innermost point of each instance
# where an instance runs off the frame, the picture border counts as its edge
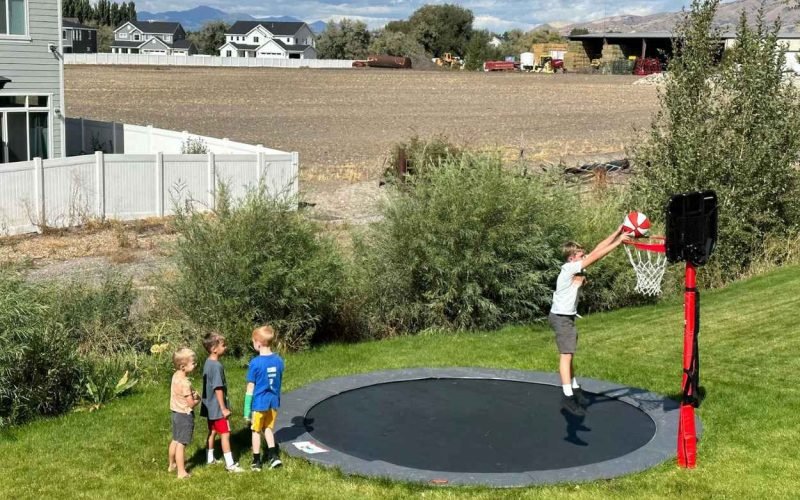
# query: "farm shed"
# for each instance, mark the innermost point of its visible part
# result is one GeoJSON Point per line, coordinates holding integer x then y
{"type": "Point", "coordinates": [623, 45]}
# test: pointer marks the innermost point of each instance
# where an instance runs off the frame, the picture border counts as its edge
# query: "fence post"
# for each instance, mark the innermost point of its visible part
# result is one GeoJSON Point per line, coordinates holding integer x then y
{"type": "Point", "coordinates": [160, 184]}
{"type": "Point", "coordinates": [212, 181]}
{"type": "Point", "coordinates": [100, 184]}
{"type": "Point", "coordinates": [295, 175]}
{"type": "Point", "coordinates": [41, 218]}
{"type": "Point", "coordinates": [260, 166]}
{"type": "Point", "coordinates": [83, 137]}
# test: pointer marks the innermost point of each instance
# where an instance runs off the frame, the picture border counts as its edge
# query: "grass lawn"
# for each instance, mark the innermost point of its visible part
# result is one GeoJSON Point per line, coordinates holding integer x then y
{"type": "Point", "coordinates": [749, 347]}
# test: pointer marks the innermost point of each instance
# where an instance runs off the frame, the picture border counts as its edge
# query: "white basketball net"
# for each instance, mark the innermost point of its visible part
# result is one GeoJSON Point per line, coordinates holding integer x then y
{"type": "Point", "coordinates": [649, 267]}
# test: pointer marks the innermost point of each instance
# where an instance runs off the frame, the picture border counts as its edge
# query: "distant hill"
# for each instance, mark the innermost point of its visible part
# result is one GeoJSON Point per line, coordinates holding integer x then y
{"type": "Point", "coordinates": [727, 18]}
{"type": "Point", "coordinates": [194, 19]}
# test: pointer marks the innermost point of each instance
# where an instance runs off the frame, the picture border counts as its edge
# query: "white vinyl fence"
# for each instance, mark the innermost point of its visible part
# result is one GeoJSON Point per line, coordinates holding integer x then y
{"type": "Point", "coordinates": [70, 191]}
{"type": "Point", "coordinates": [214, 61]}
{"type": "Point", "coordinates": [86, 136]}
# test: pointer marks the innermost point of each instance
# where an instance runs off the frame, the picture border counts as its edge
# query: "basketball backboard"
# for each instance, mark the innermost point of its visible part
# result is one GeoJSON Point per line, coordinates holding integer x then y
{"type": "Point", "coordinates": [691, 227]}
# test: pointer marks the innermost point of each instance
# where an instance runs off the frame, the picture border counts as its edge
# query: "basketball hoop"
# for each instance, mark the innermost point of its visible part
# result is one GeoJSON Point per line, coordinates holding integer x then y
{"type": "Point", "coordinates": [649, 259]}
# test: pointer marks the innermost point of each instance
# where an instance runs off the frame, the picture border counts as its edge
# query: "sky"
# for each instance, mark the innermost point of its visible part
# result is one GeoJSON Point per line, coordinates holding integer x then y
{"type": "Point", "coordinates": [495, 15]}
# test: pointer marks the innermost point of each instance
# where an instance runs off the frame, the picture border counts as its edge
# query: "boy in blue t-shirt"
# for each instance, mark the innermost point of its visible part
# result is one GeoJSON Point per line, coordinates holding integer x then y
{"type": "Point", "coordinates": [263, 395]}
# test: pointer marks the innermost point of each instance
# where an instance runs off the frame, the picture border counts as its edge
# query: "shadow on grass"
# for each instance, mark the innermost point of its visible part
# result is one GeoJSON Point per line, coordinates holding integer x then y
{"type": "Point", "coordinates": [241, 443]}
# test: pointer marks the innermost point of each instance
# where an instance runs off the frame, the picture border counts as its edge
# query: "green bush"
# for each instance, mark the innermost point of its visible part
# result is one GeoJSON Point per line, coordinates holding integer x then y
{"type": "Point", "coordinates": [40, 370]}
{"type": "Point", "coordinates": [421, 154]}
{"type": "Point", "coordinates": [53, 339]}
{"type": "Point", "coordinates": [732, 127]}
{"type": "Point", "coordinates": [467, 245]}
{"type": "Point", "coordinates": [256, 262]}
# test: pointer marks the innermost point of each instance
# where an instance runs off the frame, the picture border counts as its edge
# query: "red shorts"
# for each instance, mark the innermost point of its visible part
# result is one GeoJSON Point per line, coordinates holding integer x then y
{"type": "Point", "coordinates": [221, 426]}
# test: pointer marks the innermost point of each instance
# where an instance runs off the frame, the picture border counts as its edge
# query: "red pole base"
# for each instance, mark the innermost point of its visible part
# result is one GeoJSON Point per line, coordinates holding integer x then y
{"type": "Point", "coordinates": [687, 438]}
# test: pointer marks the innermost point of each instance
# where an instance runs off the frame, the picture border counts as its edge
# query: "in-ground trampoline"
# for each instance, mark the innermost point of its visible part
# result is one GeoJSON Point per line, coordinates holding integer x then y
{"type": "Point", "coordinates": [475, 426]}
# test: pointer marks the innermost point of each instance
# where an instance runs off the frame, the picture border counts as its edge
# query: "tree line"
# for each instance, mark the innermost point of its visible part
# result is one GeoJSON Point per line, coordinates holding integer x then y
{"type": "Point", "coordinates": [103, 13]}
{"type": "Point", "coordinates": [431, 31]}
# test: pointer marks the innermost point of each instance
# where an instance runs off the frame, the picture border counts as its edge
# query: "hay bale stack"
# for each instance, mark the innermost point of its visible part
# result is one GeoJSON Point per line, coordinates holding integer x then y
{"type": "Point", "coordinates": [612, 52]}
{"type": "Point", "coordinates": [576, 57]}
{"type": "Point", "coordinates": [544, 49]}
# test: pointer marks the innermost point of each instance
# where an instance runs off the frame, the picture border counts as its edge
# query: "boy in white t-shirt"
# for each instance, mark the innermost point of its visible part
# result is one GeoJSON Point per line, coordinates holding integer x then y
{"type": "Point", "coordinates": [565, 309]}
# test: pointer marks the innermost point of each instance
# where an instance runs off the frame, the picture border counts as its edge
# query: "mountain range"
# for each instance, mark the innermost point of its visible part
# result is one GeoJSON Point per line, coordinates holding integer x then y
{"type": "Point", "coordinates": [726, 19]}
{"type": "Point", "coordinates": [193, 19]}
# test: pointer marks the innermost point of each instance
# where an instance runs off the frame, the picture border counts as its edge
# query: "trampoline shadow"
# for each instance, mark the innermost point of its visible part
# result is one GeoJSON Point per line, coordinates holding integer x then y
{"type": "Point", "coordinates": [645, 400]}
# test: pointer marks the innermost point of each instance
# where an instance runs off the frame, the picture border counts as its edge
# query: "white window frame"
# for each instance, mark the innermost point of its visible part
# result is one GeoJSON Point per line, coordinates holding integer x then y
{"type": "Point", "coordinates": [26, 37]}
{"type": "Point", "coordinates": [123, 35]}
{"type": "Point", "coordinates": [27, 109]}
{"type": "Point", "coordinates": [137, 37]}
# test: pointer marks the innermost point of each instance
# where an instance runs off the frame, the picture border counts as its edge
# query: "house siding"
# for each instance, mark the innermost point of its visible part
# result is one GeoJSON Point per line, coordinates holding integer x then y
{"type": "Point", "coordinates": [33, 68]}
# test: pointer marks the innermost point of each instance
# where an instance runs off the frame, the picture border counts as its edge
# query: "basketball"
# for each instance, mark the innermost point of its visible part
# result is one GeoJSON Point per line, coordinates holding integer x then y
{"type": "Point", "coordinates": [636, 224]}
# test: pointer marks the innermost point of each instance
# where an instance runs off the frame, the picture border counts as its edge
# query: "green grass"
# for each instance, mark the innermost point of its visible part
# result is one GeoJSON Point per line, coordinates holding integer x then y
{"type": "Point", "coordinates": [749, 353]}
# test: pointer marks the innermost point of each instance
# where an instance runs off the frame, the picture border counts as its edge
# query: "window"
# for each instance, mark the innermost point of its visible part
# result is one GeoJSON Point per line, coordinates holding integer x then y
{"type": "Point", "coordinates": [227, 53]}
{"type": "Point", "coordinates": [26, 121]}
{"type": "Point", "coordinates": [255, 39]}
{"type": "Point", "coordinates": [12, 17]}
{"type": "Point", "coordinates": [136, 37]}
{"type": "Point", "coordinates": [123, 35]}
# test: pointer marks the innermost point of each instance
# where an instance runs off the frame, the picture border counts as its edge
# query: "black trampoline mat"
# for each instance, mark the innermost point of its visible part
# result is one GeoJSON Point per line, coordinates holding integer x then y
{"type": "Point", "coordinates": [475, 426]}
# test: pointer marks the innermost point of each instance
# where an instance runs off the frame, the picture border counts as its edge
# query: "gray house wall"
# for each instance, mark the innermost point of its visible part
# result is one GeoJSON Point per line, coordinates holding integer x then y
{"type": "Point", "coordinates": [33, 68]}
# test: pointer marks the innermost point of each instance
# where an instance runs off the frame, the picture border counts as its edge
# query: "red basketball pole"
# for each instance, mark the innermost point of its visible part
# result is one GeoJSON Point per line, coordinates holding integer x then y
{"type": "Point", "coordinates": [687, 435]}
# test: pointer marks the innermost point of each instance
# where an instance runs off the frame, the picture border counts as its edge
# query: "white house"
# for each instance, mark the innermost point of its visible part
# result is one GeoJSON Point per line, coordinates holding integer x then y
{"type": "Point", "coordinates": [31, 80]}
{"type": "Point", "coordinates": [282, 40]}
{"type": "Point", "coordinates": [152, 37]}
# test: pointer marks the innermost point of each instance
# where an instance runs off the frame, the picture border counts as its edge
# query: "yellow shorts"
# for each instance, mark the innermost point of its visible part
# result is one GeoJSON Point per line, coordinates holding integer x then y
{"type": "Point", "coordinates": [263, 420]}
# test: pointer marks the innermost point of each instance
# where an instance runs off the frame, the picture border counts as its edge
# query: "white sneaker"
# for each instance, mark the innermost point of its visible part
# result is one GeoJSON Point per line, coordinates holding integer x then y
{"type": "Point", "coordinates": [275, 463]}
{"type": "Point", "coordinates": [234, 468]}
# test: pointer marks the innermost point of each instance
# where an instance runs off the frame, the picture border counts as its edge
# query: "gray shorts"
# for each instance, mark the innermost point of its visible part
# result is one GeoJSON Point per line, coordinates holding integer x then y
{"type": "Point", "coordinates": [566, 333]}
{"type": "Point", "coordinates": [182, 427]}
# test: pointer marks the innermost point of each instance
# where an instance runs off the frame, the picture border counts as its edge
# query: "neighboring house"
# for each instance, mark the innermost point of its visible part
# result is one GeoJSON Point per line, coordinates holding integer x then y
{"type": "Point", "coordinates": [77, 38]}
{"type": "Point", "coordinates": [282, 40]}
{"type": "Point", "coordinates": [31, 80]}
{"type": "Point", "coordinates": [151, 37]}
{"type": "Point", "coordinates": [495, 42]}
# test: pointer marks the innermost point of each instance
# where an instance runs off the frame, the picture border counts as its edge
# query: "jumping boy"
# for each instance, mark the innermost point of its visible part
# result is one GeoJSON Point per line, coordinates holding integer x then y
{"type": "Point", "coordinates": [263, 395]}
{"type": "Point", "coordinates": [215, 401]}
{"type": "Point", "coordinates": [182, 400]}
{"type": "Point", "coordinates": [565, 309]}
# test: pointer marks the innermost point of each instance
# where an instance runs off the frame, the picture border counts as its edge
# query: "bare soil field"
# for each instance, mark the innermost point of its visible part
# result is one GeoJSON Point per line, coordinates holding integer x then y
{"type": "Point", "coordinates": [343, 123]}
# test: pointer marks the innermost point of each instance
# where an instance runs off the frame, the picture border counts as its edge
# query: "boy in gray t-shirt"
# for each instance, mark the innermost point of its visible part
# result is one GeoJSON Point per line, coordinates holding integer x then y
{"type": "Point", "coordinates": [565, 309]}
{"type": "Point", "coordinates": [215, 401]}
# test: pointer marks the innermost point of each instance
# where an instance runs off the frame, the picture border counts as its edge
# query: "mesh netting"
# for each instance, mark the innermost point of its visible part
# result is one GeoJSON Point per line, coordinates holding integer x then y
{"type": "Point", "coordinates": [649, 267]}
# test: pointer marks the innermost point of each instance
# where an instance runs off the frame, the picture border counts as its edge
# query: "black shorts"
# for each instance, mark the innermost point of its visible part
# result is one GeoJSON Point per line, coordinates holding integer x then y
{"type": "Point", "coordinates": [182, 427]}
{"type": "Point", "coordinates": [566, 333]}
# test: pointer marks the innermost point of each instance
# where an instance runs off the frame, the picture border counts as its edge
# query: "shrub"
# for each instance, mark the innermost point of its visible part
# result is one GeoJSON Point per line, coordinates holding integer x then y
{"type": "Point", "coordinates": [255, 263]}
{"type": "Point", "coordinates": [467, 245]}
{"type": "Point", "coordinates": [40, 370]}
{"type": "Point", "coordinates": [194, 146]}
{"type": "Point", "coordinates": [732, 127]}
{"type": "Point", "coordinates": [421, 154]}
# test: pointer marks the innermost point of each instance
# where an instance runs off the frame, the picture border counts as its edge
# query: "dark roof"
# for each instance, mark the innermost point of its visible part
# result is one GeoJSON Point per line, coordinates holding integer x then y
{"type": "Point", "coordinates": [276, 28]}
{"type": "Point", "coordinates": [72, 23]}
{"type": "Point", "coordinates": [291, 48]}
{"type": "Point", "coordinates": [182, 44]}
{"type": "Point", "coordinates": [243, 46]}
{"type": "Point", "coordinates": [156, 26]}
{"type": "Point", "coordinates": [664, 34]}
{"type": "Point", "coordinates": [120, 43]}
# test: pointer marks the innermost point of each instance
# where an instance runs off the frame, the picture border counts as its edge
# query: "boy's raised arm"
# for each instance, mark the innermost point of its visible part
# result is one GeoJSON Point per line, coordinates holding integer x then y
{"type": "Point", "coordinates": [605, 247]}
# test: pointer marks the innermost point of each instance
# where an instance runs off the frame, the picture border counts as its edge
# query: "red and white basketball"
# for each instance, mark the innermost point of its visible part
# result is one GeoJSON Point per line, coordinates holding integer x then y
{"type": "Point", "coordinates": [636, 224]}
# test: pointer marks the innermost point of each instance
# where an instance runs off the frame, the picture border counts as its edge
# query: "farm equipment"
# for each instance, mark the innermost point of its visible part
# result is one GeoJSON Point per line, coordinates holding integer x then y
{"type": "Point", "coordinates": [384, 61]}
{"type": "Point", "coordinates": [500, 66]}
{"type": "Point", "coordinates": [548, 64]}
{"type": "Point", "coordinates": [448, 60]}
{"type": "Point", "coordinates": [647, 66]}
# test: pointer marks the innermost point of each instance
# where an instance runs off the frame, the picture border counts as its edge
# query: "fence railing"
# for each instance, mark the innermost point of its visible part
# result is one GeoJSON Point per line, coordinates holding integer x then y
{"type": "Point", "coordinates": [229, 62]}
{"type": "Point", "coordinates": [86, 136]}
{"type": "Point", "coordinates": [64, 192]}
